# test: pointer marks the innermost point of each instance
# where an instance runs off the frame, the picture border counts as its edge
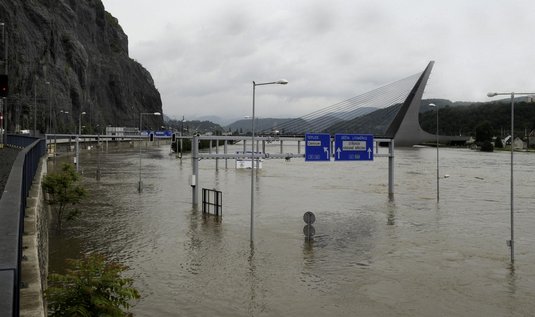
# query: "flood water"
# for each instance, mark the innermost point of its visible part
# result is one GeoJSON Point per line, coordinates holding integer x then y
{"type": "Point", "coordinates": [371, 257]}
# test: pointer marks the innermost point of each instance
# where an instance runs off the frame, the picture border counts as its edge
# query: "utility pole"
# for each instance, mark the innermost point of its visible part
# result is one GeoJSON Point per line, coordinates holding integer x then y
{"type": "Point", "coordinates": [3, 105]}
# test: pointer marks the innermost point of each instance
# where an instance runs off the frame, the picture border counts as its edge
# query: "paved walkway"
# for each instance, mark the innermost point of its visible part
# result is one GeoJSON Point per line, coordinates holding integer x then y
{"type": "Point", "coordinates": [7, 157]}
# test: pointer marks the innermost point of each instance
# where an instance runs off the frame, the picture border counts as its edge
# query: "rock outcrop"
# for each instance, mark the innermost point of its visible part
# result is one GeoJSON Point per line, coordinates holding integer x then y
{"type": "Point", "coordinates": [68, 57]}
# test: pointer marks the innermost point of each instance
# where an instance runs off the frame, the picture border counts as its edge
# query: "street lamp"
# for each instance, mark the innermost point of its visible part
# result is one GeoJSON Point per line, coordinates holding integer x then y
{"type": "Point", "coordinates": [34, 106]}
{"type": "Point", "coordinates": [141, 114]}
{"type": "Point", "coordinates": [279, 82]}
{"type": "Point", "coordinates": [49, 126]}
{"type": "Point", "coordinates": [78, 141]}
{"type": "Point", "coordinates": [511, 243]}
{"type": "Point", "coordinates": [3, 105]}
{"type": "Point", "coordinates": [66, 113]}
{"type": "Point", "coordinates": [438, 174]}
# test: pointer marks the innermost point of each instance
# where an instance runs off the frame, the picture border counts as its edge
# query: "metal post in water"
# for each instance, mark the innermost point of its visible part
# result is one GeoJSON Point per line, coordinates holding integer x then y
{"type": "Point", "coordinates": [257, 151]}
{"type": "Point", "coordinates": [216, 152]}
{"type": "Point", "coordinates": [195, 167]}
{"type": "Point", "coordinates": [225, 150]}
{"type": "Point", "coordinates": [512, 241]}
{"type": "Point", "coordinates": [99, 148]}
{"type": "Point", "coordinates": [391, 170]}
{"type": "Point", "coordinates": [251, 233]}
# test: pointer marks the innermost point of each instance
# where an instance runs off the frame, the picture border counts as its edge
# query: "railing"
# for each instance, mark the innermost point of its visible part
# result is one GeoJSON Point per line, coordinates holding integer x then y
{"type": "Point", "coordinates": [12, 208]}
{"type": "Point", "coordinates": [212, 201]}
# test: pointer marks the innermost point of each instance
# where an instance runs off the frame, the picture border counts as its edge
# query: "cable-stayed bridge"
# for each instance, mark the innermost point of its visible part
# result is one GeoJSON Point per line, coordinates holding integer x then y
{"type": "Point", "coordinates": [390, 111]}
{"type": "Point", "coordinates": [371, 112]}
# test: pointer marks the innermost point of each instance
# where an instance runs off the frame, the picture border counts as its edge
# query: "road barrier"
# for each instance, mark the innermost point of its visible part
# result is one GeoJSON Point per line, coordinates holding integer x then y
{"type": "Point", "coordinates": [12, 208]}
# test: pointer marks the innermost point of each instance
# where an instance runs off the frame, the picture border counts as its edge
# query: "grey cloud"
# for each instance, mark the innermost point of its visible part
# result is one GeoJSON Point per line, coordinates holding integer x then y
{"type": "Point", "coordinates": [204, 55]}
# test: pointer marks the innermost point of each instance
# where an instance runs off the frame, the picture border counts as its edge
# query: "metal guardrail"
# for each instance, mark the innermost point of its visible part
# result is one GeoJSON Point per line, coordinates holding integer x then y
{"type": "Point", "coordinates": [12, 209]}
{"type": "Point", "coordinates": [212, 201]}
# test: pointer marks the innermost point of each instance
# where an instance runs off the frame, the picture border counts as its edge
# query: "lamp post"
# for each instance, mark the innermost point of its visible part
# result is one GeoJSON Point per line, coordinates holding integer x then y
{"type": "Point", "coordinates": [66, 113]}
{"type": "Point", "coordinates": [438, 174]}
{"type": "Point", "coordinates": [511, 243]}
{"type": "Point", "coordinates": [78, 141]}
{"type": "Point", "coordinates": [3, 104]}
{"type": "Point", "coordinates": [35, 106]}
{"type": "Point", "coordinates": [141, 114]}
{"type": "Point", "coordinates": [279, 82]}
{"type": "Point", "coordinates": [49, 125]}
{"type": "Point", "coordinates": [4, 40]}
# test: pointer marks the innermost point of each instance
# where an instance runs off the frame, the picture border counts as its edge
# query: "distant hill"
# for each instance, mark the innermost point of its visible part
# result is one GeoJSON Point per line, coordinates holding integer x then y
{"type": "Point", "coordinates": [455, 118]}
{"type": "Point", "coordinates": [462, 120]}
{"type": "Point", "coordinates": [261, 124]}
{"type": "Point", "coordinates": [194, 126]}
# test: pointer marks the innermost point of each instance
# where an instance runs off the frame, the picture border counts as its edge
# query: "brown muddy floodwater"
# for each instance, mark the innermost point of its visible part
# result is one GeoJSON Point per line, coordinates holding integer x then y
{"type": "Point", "coordinates": [371, 256]}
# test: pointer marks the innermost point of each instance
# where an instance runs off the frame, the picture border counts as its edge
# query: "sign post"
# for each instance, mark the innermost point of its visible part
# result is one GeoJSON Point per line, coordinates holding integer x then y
{"type": "Point", "coordinates": [309, 230]}
{"type": "Point", "coordinates": [317, 147]}
{"type": "Point", "coordinates": [353, 147]}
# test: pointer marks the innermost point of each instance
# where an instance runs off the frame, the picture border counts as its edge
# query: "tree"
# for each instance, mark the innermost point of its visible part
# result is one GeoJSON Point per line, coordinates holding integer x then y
{"type": "Point", "coordinates": [498, 143]}
{"type": "Point", "coordinates": [484, 135]}
{"type": "Point", "coordinates": [92, 286]}
{"type": "Point", "coordinates": [484, 132]}
{"type": "Point", "coordinates": [64, 192]}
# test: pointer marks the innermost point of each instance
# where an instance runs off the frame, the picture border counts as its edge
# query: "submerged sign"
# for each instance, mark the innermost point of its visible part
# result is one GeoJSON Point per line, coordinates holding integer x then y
{"type": "Point", "coordinates": [353, 147]}
{"type": "Point", "coordinates": [317, 147]}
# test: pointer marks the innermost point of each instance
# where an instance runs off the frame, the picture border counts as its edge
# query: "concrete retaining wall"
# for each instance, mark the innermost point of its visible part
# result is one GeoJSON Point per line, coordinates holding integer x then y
{"type": "Point", "coordinates": [34, 268]}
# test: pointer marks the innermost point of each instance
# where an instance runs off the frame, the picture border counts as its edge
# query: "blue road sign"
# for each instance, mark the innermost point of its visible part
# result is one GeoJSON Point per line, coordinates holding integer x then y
{"type": "Point", "coordinates": [317, 147]}
{"type": "Point", "coordinates": [353, 147]}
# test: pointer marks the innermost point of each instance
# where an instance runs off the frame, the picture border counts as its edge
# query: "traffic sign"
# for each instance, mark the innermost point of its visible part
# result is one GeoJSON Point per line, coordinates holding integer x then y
{"type": "Point", "coordinates": [309, 217]}
{"type": "Point", "coordinates": [353, 147]}
{"type": "Point", "coordinates": [317, 147]}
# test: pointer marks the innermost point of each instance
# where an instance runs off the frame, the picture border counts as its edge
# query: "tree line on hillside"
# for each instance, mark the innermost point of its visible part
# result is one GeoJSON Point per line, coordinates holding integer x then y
{"type": "Point", "coordinates": [194, 126]}
{"type": "Point", "coordinates": [496, 116]}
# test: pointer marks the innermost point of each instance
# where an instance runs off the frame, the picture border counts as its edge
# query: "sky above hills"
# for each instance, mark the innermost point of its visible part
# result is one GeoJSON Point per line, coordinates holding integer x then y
{"type": "Point", "coordinates": [204, 55]}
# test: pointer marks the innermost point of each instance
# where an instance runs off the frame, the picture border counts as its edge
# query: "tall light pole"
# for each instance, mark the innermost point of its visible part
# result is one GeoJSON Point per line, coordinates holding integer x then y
{"type": "Point", "coordinates": [66, 113]}
{"type": "Point", "coordinates": [78, 140]}
{"type": "Point", "coordinates": [141, 114]}
{"type": "Point", "coordinates": [438, 173]}
{"type": "Point", "coordinates": [3, 104]}
{"type": "Point", "coordinates": [34, 106]}
{"type": "Point", "coordinates": [49, 125]}
{"type": "Point", "coordinates": [279, 82]}
{"type": "Point", "coordinates": [4, 40]}
{"type": "Point", "coordinates": [511, 242]}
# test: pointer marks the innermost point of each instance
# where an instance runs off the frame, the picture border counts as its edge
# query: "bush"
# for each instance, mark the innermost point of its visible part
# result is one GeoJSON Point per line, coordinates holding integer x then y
{"type": "Point", "coordinates": [487, 147]}
{"type": "Point", "coordinates": [92, 286]}
{"type": "Point", "coordinates": [498, 143]}
{"type": "Point", "coordinates": [64, 192]}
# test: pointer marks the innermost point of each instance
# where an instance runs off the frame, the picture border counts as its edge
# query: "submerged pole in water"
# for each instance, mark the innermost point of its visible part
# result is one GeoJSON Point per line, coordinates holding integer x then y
{"type": "Point", "coordinates": [195, 167]}
{"type": "Point", "coordinates": [391, 170]}
{"type": "Point", "coordinates": [225, 150]}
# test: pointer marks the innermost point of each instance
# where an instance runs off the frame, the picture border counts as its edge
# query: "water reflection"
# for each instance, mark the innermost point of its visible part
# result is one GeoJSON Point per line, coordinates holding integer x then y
{"type": "Point", "coordinates": [256, 303]}
{"type": "Point", "coordinates": [391, 213]}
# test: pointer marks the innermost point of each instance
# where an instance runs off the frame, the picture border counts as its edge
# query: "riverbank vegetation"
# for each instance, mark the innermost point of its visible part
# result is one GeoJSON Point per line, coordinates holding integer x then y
{"type": "Point", "coordinates": [463, 120]}
{"type": "Point", "coordinates": [92, 286]}
{"type": "Point", "coordinates": [64, 192]}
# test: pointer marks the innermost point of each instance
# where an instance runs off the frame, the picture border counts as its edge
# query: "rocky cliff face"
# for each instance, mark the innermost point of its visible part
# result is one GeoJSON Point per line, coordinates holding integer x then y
{"type": "Point", "coordinates": [68, 57]}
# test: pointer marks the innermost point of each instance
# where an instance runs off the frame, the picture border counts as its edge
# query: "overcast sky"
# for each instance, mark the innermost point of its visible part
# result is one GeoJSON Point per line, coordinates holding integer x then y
{"type": "Point", "coordinates": [204, 54]}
